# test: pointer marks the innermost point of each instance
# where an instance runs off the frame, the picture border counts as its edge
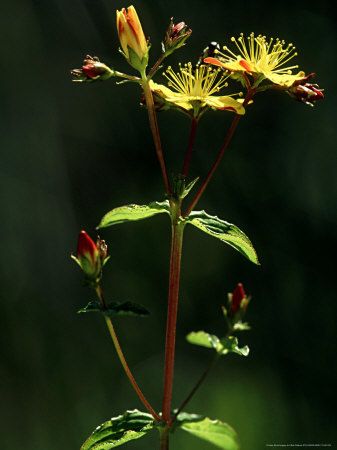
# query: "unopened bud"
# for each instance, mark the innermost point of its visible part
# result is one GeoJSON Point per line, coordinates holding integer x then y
{"type": "Point", "coordinates": [92, 70]}
{"type": "Point", "coordinates": [175, 37]}
{"type": "Point", "coordinates": [307, 93]}
{"type": "Point", "coordinates": [237, 297]}
{"type": "Point", "coordinates": [132, 38]}
{"type": "Point", "coordinates": [91, 257]}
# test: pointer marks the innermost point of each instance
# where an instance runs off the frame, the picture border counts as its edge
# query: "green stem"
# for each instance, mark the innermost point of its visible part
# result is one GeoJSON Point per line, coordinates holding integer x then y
{"type": "Point", "coordinates": [176, 250]}
{"type": "Point", "coordinates": [124, 75]}
{"type": "Point", "coordinates": [193, 132]}
{"type": "Point", "coordinates": [210, 174]}
{"type": "Point", "coordinates": [155, 130]}
{"type": "Point", "coordinates": [164, 438]}
{"type": "Point", "coordinates": [122, 358]}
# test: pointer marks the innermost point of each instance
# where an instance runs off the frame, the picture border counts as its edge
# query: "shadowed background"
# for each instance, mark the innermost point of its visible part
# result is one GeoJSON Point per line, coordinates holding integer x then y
{"type": "Point", "coordinates": [71, 152]}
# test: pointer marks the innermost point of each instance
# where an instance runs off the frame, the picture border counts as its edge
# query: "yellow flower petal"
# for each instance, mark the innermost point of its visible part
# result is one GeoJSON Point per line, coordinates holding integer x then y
{"type": "Point", "coordinates": [225, 102]}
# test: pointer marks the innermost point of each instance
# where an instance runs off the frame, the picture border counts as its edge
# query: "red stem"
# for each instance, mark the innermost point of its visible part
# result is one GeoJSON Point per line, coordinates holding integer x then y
{"type": "Point", "coordinates": [193, 132]}
{"type": "Point", "coordinates": [176, 250]}
{"type": "Point", "coordinates": [231, 130]}
{"type": "Point", "coordinates": [155, 130]}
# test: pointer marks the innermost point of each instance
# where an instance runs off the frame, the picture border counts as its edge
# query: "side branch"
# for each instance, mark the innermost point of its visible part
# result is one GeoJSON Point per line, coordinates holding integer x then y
{"type": "Point", "coordinates": [210, 174]}
{"type": "Point", "coordinates": [123, 360]}
{"type": "Point", "coordinates": [155, 131]}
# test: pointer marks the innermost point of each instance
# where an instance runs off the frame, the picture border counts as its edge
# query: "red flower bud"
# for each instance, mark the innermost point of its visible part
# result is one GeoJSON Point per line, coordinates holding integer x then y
{"type": "Point", "coordinates": [175, 37]}
{"type": "Point", "coordinates": [176, 29]}
{"type": "Point", "coordinates": [86, 248]}
{"type": "Point", "coordinates": [237, 297]}
{"type": "Point", "coordinates": [92, 70]}
{"type": "Point", "coordinates": [91, 257]}
{"type": "Point", "coordinates": [307, 93]}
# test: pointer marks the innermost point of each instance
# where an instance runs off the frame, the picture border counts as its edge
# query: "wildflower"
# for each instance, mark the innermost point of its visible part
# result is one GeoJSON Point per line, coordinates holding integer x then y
{"type": "Point", "coordinates": [132, 38]}
{"type": "Point", "coordinates": [91, 257]}
{"type": "Point", "coordinates": [92, 70]}
{"type": "Point", "coordinates": [193, 89]}
{"type": "Point", "coordinates": [260, 58]}
{"type": "Point", "coordinates": [306, 92]}
{"type": "Point", "coordinates": [175, 37]}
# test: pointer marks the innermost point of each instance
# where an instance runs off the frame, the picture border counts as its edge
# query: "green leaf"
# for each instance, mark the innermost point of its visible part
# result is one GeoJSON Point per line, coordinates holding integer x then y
{"type": "Point", "coordinates": [213, 431]}
{"type": "Point", "coordinates": [221, 346]}
{"type": "Point", "coordinates": [131, 213]}
{"type": "Point", "coordinates": [231, 345]}
{"type": "Point", "coordinates": [115, 308]}
{"type": "Point", "coordinates": [189, 187]}
{"type": "Point", "coordinates": [203, 339]}
{"type": "Point", "coordinates": [226, 232]}
{"type": "Point", "coordinates": [119, 430]}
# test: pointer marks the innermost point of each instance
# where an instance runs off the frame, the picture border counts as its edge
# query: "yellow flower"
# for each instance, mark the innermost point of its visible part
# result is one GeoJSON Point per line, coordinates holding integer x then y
{"type": "Point", "coordinates": [132, 38]}
{"type": "Point", "coordinates": [261, 58]}
{"type": "Point", "coordinates": [193, 89]}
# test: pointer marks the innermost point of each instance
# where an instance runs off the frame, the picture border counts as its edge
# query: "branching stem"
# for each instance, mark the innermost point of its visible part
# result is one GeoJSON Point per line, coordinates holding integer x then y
{"type": "Point", "coordinates": [122, 358]}
{"type": "Point", "coordinates": [210, 174]}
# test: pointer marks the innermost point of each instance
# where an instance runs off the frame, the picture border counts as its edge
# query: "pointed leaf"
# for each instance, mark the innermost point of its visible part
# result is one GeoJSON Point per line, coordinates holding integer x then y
{"type": "Point", "coordinates": [115, 308]}
{"type": "Point", "coordinates": [213, 431]}
{"type": "Point", "coordinates": [226, 232]}
{"type": "Point", "coordinates": [119, 430]}
{"type": "Point", "coordinates": [189, 187]}
{"type": "Point", "coordinates": [131, 213]}
{"type": "Point", "coordinates": [203, 339]}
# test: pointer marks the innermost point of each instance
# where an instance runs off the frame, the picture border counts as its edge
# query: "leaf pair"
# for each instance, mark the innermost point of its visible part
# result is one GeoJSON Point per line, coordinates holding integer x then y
{"type": "Point", "coordinates": [135, 424]}
{"type": "Point", "coordinates": [212, 225]}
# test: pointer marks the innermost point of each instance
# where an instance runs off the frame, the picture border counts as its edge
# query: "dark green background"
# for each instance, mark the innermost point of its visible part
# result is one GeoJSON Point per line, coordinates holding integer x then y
{"type": "Point", "coordinates": [70, 152]}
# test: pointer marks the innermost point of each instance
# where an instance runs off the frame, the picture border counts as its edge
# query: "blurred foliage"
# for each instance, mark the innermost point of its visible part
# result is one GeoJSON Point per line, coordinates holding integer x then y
{"type": "Point", "coordinates": [71, 152]}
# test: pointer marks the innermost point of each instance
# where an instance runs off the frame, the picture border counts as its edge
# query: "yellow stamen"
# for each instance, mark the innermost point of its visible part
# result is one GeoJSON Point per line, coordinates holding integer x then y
{"type": "Point", "coordinates": [199, 82]}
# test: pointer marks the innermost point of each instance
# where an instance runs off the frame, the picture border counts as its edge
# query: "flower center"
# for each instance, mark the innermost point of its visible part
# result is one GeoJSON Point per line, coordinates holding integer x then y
{"type": "Point", "coordinates": [201, 81]}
